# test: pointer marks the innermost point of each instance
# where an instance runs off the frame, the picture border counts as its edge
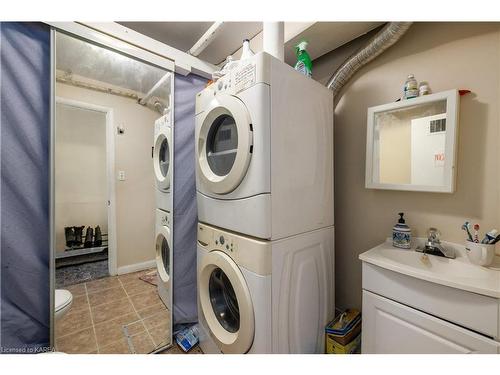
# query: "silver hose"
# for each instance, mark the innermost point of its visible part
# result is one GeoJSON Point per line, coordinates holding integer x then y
{"type": "Point", "coordinates": [389, 35]}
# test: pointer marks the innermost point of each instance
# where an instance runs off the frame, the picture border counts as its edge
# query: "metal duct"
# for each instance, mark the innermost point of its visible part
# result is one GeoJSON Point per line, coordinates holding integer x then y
{"type": "Point", "coordinates": [389, 35]}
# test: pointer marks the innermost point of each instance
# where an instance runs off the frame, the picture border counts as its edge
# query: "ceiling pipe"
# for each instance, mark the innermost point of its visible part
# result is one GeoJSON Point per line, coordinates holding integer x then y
{"type": "Point", "coordinates": [206, 39]}
{"type": "Point", "coordinates": [149, 94]}
{"type": "Point", "coordinates": [384, 39]}
{"type": "Point", "coordinates": [274, 39]}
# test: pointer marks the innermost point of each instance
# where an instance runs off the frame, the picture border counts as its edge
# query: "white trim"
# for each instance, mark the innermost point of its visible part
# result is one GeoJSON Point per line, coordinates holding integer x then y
{"type": "Point", "coordinates": [451, 145]}
{"type": "Point", "coordinates": [138, 45]}
{"type": "Point", "coordinates": [52, 146]}
{"type": "Point", "coordinates": [172, 192]}
{"type": "Point", "coordinates": [136, 267]}
{"type": "Point", "coordinates": [110, 172]}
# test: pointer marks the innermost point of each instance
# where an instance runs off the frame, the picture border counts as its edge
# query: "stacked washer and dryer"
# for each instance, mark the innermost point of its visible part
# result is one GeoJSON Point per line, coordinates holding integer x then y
{"type": "Point", "coordinates": [162, 164]}
{"type": "Point", "coordinates": [264, 178]}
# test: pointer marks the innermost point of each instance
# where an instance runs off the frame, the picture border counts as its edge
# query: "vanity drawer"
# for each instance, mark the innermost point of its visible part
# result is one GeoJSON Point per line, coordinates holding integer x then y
{"type": "Point", "coordinates": [473, 311]}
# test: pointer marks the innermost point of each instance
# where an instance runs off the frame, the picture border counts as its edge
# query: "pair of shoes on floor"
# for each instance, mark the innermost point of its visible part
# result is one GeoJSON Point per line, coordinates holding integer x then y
{"type": "Point", "coordinates": [93, 237]}
{"type": "Point", "coordinates": [74, 236]}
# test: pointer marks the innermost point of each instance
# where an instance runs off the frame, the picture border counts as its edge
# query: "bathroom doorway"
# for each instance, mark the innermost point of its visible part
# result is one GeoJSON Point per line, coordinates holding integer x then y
{"type": "Point", "coordinates": [83, 211]}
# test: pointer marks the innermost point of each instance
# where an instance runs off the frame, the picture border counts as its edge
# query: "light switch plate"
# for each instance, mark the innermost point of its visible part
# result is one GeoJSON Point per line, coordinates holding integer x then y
{"type": "Point", "coordinates": [121, 175]}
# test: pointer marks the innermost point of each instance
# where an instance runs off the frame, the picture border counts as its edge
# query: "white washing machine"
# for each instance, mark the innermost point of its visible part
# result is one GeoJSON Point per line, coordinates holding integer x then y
{"type": "Point", "coordinates": [163, 161]}
{"type": "Point", "coordinates": [264, 151]}
{"type": "Point", "coordinates": [164, 256]}
{"type": "Point", "coordinates": [257, 296]}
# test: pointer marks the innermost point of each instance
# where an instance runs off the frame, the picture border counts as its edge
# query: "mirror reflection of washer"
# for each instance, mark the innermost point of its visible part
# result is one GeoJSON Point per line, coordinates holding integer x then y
{"type": "Point", "coordinates": [273, 163]}
{"type": "Point", "coordinates": [257, 296]}
{"type": "Point", "coordinates": [164, 256]}
{"type": "Point", "coordinates": [163, 161]}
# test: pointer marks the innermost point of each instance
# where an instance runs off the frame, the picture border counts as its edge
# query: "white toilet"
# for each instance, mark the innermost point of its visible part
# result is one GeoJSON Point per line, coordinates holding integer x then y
{"type": "Point", "coordinates": [62, 302]}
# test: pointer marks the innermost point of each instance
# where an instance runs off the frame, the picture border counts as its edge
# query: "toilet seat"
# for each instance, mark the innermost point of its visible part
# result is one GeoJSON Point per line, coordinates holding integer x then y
{"type": "Point", "coordinates": [63, 298]}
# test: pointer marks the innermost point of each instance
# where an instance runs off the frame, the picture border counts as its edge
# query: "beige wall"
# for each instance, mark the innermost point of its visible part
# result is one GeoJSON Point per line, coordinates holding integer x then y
{"type": "Point", "coordinates": [135, 197]}
{"type": "Point", "coordinates": [447, 55]}
{"type": "Point", "coordinates": [80, 170]}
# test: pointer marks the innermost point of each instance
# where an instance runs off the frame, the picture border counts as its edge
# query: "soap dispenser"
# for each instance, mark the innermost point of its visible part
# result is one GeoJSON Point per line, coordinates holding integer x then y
{"type": "Point", "coordinates": [401, 234]}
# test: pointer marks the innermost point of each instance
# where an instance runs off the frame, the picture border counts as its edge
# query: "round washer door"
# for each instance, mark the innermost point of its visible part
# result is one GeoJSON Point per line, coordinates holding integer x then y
{"type": "Point", "coordinates": [226, 303]}
{"type": "Point", "coordinates": [162, 159]}
{"type": "Point", "coordinates": [224, 146]}
{"type": "Point", "coordinates": [163, 254]}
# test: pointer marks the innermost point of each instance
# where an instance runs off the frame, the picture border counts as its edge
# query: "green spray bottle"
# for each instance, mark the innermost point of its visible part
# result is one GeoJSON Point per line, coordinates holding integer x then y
{"type": "Point", "coordinates": [304, 63]}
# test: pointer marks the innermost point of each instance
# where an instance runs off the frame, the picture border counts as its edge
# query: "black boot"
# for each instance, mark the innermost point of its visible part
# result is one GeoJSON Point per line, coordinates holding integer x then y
{"type": "Point", "coordinates": [88, 237]}
{"type": "Point", "coordinates": [98, 236]}
{"type": "Point", "coordinates": [78, 235]}
{"type": "Point", "coordinates": [70, 236]}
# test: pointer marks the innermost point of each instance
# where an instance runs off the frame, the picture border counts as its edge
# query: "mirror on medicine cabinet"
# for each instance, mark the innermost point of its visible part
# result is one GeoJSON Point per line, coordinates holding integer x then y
{"type": "Point", "coordinates": [411, 144]}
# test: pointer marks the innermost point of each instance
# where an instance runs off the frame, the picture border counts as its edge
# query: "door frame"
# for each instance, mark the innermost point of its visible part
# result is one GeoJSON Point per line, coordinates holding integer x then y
{"type": "Point", "coordinates": [110, 173]}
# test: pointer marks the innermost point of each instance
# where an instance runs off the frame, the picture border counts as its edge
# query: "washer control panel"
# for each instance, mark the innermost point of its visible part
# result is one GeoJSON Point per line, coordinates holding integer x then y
{"type": "Point", "coordinates": [162, 122]}
{"type": "Point", "coordinates": [224, 242]}
{"type": "Point", "coordinates": [164, 218]}
{"type": "Point", "coordinates": [255, 255]}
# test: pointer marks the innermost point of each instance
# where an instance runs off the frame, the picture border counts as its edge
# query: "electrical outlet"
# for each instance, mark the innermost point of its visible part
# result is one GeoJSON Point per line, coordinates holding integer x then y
{"type": "Point", "coordinates": [121, 175]}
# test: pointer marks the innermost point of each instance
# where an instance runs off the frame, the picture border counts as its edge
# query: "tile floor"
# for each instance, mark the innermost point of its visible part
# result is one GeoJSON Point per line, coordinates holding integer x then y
{"type": "Point", "coordinates": [102, 308]}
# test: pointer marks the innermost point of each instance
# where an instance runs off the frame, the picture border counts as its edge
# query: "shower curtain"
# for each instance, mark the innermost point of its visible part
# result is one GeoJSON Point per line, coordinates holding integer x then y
{"type": "Point", "coordinates": [185, 210]}
{"type": "Point", "coordinates": [24, 189]}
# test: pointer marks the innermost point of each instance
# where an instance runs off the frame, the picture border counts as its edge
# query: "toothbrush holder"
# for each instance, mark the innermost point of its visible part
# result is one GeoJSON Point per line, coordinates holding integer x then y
{"type": "Point", "coordinates": [480, 253]}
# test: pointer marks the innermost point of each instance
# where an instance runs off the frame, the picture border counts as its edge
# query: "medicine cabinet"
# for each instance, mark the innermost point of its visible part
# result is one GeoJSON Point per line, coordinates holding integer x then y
{"type": "Point", "coordinates": [411, 144]}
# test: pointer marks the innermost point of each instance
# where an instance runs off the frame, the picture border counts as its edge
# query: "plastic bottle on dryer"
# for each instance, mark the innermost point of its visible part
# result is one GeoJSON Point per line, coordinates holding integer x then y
{"type": "Point", "coordinates": [246, 50]}
{"type": "Point", "coordinates": [304, 63]}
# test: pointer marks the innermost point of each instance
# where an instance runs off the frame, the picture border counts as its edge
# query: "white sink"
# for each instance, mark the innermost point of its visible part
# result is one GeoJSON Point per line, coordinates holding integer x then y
{"type": "Point", "coordinates": [457, 273]}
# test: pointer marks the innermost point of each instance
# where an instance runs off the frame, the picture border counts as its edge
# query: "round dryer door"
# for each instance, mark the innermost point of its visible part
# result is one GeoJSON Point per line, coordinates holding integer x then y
{"type": "Point", "coordinates": [225, 142]}
{"type": "Point", "coordinates": [162, 160]}
{"type": "Point", "coordinates": [226, 303]}
{"type": "Point", "coordinates": [163, 254]}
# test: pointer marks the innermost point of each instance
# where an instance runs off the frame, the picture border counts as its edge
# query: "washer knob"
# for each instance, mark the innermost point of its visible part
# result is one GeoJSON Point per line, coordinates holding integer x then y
{"type": "Point", "coordinates": [221, 240]}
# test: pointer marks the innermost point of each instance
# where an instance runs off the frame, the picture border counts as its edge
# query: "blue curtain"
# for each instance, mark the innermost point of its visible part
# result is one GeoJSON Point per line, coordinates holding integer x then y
{"type": "Point", "coordinates": [185, 209]}
{"type": "Point", "coordinates": [24, 236]}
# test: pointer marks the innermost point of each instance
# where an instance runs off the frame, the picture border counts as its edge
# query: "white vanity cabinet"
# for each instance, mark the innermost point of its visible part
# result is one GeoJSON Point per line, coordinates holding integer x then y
{"type": "Point", "coordinates": [390, 327]}
{"type": "Point", "coordinates": [428, 306]}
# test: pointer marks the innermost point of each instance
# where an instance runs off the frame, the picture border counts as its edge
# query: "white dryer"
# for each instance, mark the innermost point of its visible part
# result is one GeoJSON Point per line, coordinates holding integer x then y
{"type": "Point", "coordinates": [264, 151]}
{"type": "Point", "coordinates": [162, 161]}
{"type": "Point", "coordinates": [257, 296]}
{"type": "Point", "coordinates": [164, 256]}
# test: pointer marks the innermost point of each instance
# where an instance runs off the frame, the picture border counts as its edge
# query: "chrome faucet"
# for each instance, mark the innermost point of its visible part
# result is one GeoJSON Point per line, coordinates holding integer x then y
{"type": "Point", "coordinates": [433, 245]}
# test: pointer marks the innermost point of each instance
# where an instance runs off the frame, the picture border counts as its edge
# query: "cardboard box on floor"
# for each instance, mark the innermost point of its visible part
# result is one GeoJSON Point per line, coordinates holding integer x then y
{"type": "Point", "coordinates": [343, 334]}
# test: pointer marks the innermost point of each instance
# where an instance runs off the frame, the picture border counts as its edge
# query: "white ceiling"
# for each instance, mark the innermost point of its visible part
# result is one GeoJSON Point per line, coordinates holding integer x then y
{"type": "Point", "coordinates": [323, 37]}
{"type": "Point", "coordinates": [183, 35]}
{"type": "Point", "coordinates": [180, 35]}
